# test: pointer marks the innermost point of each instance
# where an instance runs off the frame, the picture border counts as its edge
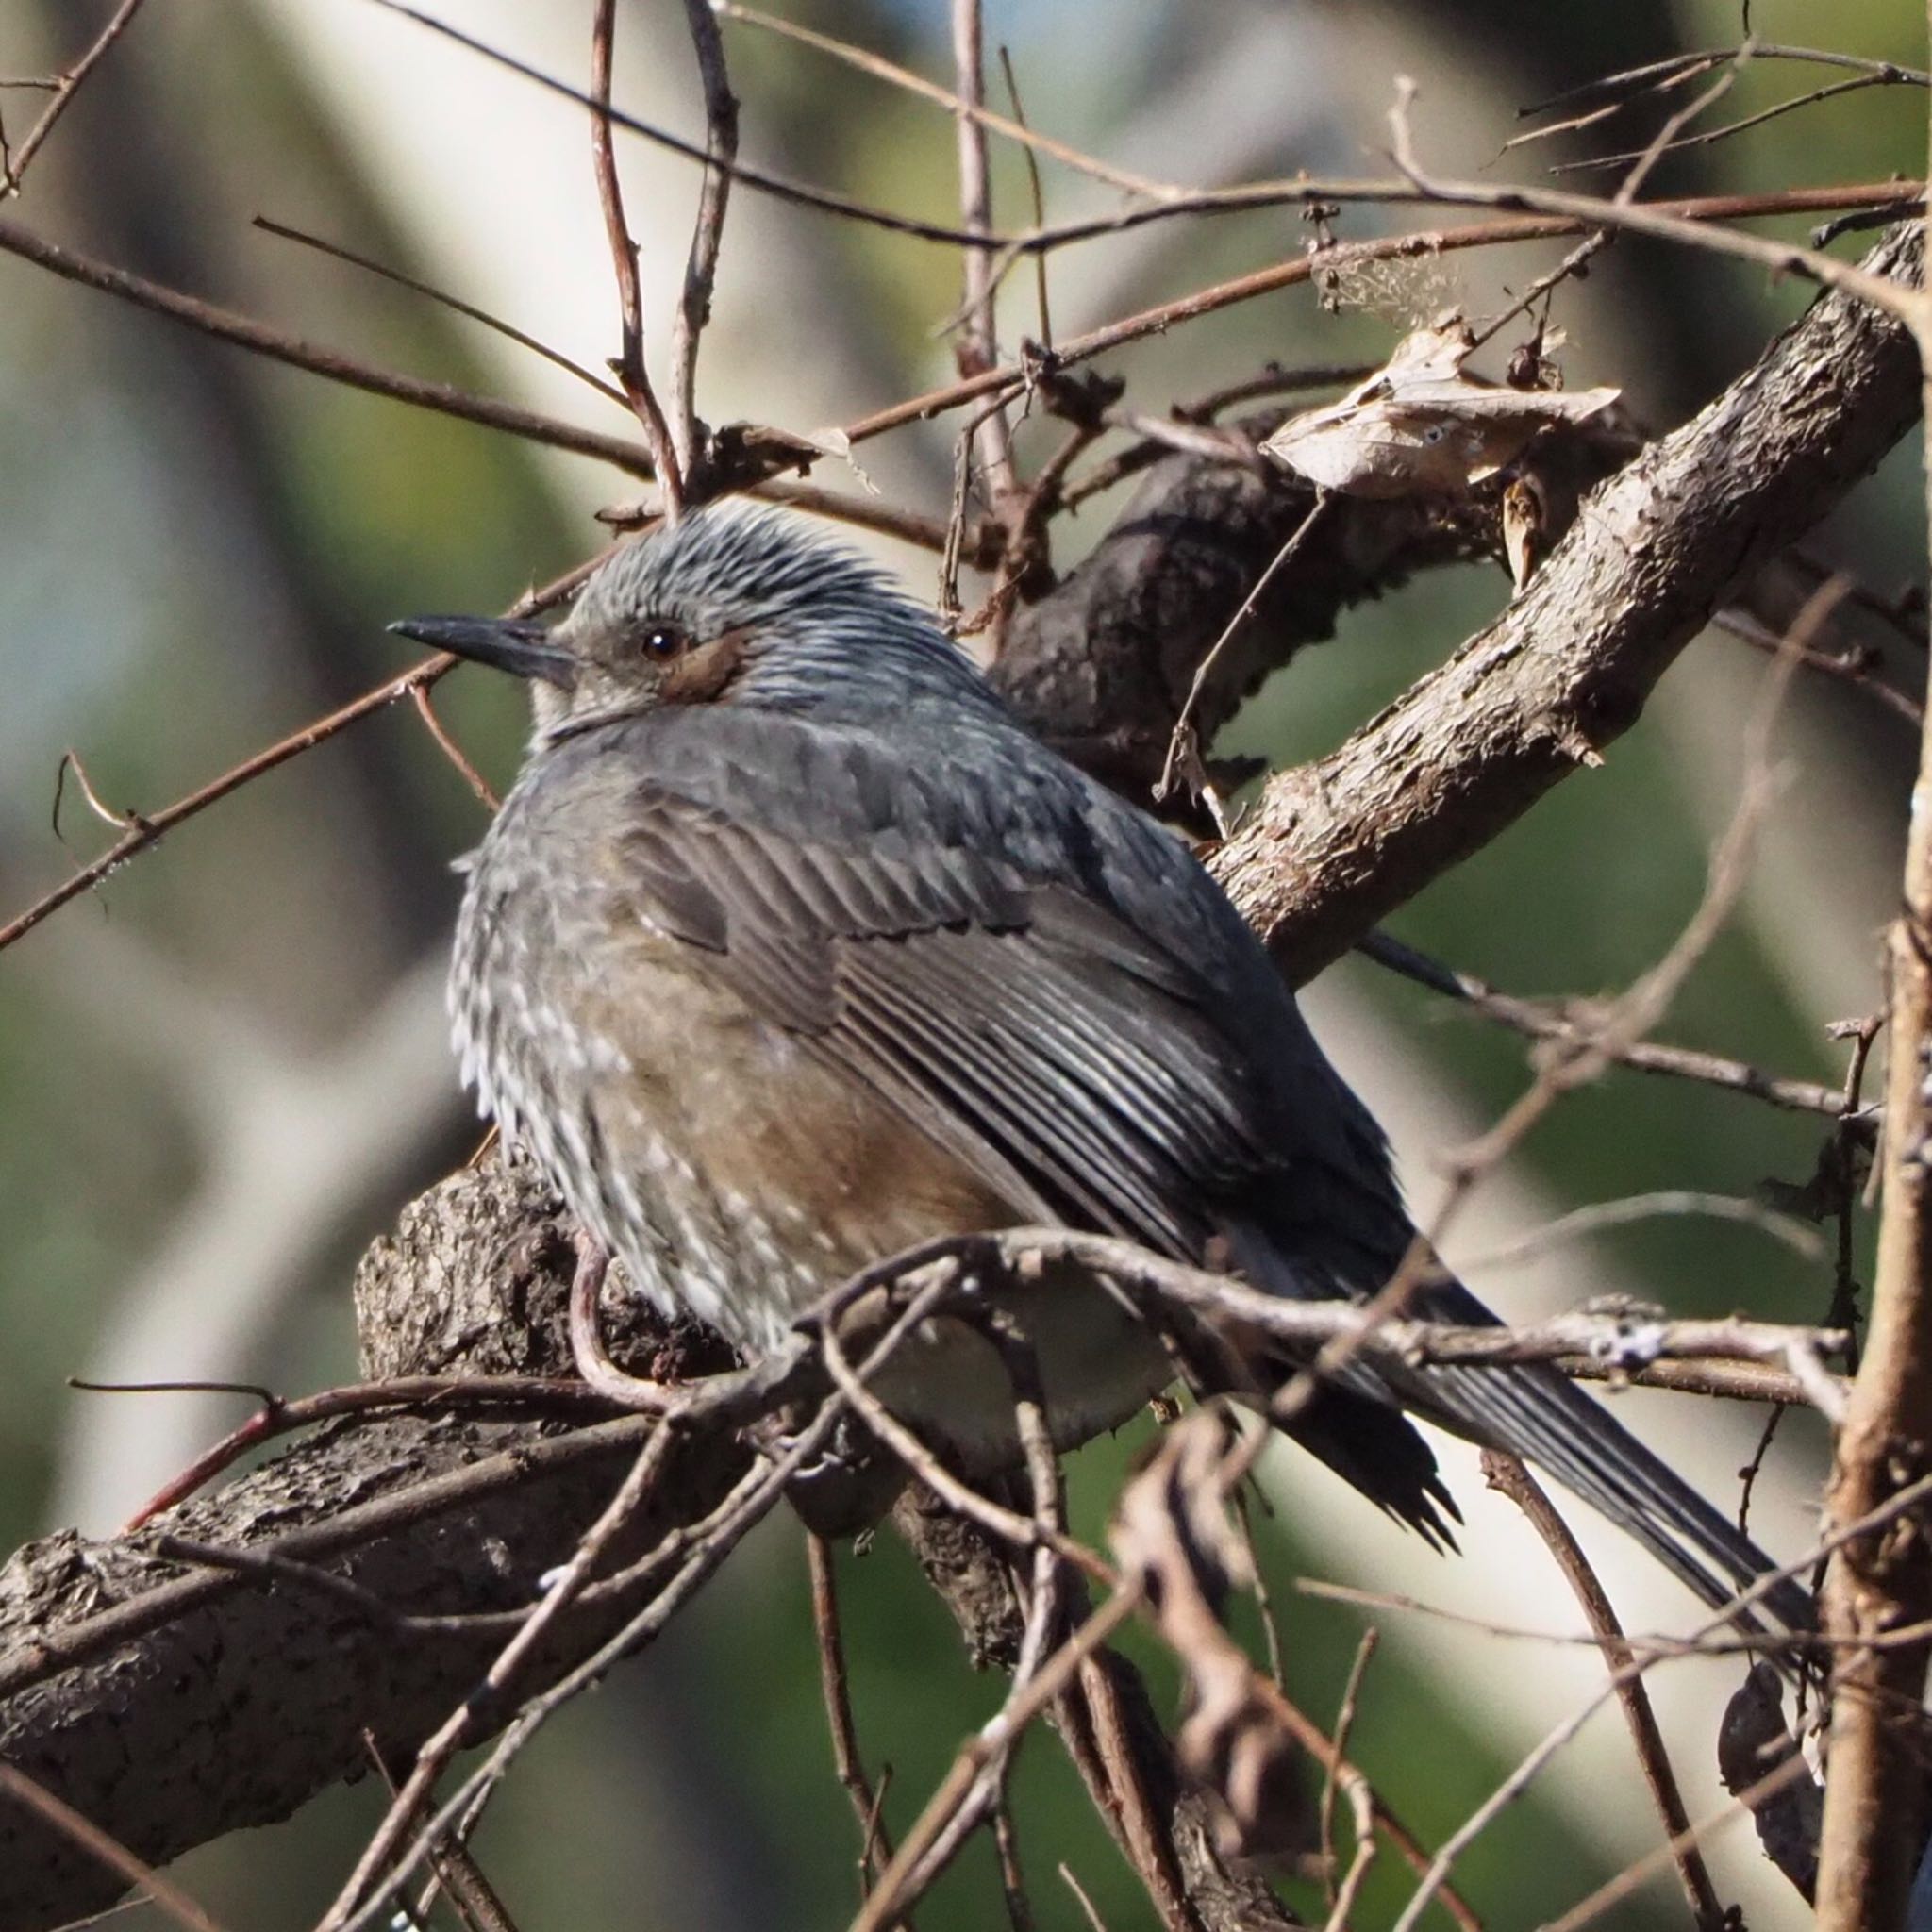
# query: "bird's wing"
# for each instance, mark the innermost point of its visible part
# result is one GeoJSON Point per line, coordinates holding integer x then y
{"type": "Point", "coordinates": [1009, 1011]}
{"type": "Point", "coordinates": [1025, 1027]}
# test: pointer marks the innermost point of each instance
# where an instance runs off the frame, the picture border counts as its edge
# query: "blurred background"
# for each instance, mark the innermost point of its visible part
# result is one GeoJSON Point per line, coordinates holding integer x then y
{"type": "Point", "coordinates": [221, 1077]}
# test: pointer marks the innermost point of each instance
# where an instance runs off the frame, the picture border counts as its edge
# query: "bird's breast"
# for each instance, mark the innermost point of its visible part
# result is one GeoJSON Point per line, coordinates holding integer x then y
{"type": "Point", "coordinates": [734, 1172]}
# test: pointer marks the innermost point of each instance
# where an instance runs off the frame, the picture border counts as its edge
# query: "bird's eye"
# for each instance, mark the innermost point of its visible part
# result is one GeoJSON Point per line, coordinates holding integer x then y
{"type": "Point", "coordinates": [661, 642]}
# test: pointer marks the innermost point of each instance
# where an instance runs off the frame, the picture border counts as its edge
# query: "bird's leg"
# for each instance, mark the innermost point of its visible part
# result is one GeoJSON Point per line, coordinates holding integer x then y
{"type": "Point", "coordinates": [586, 1334]}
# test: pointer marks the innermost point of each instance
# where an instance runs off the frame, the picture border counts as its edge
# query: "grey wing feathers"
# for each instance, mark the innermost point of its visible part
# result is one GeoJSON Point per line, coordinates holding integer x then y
{"type": "Point", "coordinates": [1059, 1036]}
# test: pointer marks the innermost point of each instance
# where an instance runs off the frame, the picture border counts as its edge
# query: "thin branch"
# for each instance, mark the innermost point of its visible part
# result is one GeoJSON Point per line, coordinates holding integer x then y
{"type": "Point", "coordinates": [1874, 1803]}
{"type": "Point", "coordinates": [628, 367]}
{"type": "Point", "coordinates": [277, 345]}
{"type": "Point", "coordinates": [147, 830]}
{"type": "Point", "coordinates": [875, 1845]}
{"type": "Point", "coordinates": [1647, 158]}
{"type": "Point", "coordinates": [1585, 251]}
{"type": "Point", "coordinates": [1331, 1783]}
{"type": "Point", "coordinates": [1854, 665]}
{"type": "Point", "coordinates": [798, 194]}
{"type": "Point", "coordinates": [278, 1416]}
{"type": "Point", "coordinates": [260, 339]}
{"type": "Point", "coordinates": [469, 1716]}
{"type": "Point", "coordinates": [162, 1891]}
{"type": "Point", "coordinates": [456, 304]}
{"type": "Point", "coordinates": [699, 1548]}
{"type": "Point", "coordinates": [1893, 1509]}
{"type": "Point", "coordinates": [978, 348]}
{"type": "Point", "coordinates": [1594, 1216]}
{"type": "Point", "coordinates": [1009, 1525]}
{"type": "Point", "coordinates": [1640, 218]}
{"type": "Point", "coordinates": [1564, 1022]}
{"type": "Point", "coordinates": [479, 786]}
{"type": "Point", "coordinates": [1038, 195]}
{"type": "Point", "coordinates": [708, 232]}
{"type": "Point", "coordinates": [63, 86]}
{"type": "Point", "coordinates": [1580, 210]}
{"type": "Point", "coordinates": [1508, 1475]}
{"type": "Point", "coordinates": [1777, 111]}
{"type": "Point", "coordinates": [993, 1738]}
{"type": "Point", "coordinates": [1615, 1890]}
{"type": "Point", "coordinates": [1615, 90]}
{"type": "Point", "coordinates": [1014, 129]}
{"type": "Point", "coordinates": [1183, 750]}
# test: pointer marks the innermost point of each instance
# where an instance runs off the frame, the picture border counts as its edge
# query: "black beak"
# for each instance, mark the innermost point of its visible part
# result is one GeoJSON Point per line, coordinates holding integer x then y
{"type": "Point", "coordinates": [523, 649]}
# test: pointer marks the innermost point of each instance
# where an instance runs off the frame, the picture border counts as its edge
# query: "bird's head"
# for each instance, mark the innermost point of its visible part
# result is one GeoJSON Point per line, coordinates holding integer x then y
{"type": "Point", "coordinates": [725, 607]}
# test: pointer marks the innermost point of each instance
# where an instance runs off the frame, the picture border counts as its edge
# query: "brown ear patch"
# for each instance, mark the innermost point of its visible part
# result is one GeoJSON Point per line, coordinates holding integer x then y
{"type": "Point", "coordinates": [704, 671]}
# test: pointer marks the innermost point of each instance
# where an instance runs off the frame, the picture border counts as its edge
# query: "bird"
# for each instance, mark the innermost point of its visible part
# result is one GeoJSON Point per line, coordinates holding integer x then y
{"type": "Point", "coordinates": [791, 949]}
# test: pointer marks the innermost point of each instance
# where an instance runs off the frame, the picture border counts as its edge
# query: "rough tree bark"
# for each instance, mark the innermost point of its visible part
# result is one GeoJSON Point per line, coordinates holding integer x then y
{"type": "Point", "coordinates": [257, 1694]}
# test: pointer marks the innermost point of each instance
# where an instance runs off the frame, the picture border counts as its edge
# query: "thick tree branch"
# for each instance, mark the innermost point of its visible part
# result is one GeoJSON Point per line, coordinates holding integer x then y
{"type": "Point", "coordinates": [256, 1693]}
{"type": "Point", "coordinates": [1101, 665]}
{"type": "Point", "coordinates": [1336, 846]}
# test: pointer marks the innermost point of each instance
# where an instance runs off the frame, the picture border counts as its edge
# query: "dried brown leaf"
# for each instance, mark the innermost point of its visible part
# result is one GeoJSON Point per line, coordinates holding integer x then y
{"type": "Point", "coordinates": [1172, 1530]}
{"type": "Point", "coordinates": [1422, 426]}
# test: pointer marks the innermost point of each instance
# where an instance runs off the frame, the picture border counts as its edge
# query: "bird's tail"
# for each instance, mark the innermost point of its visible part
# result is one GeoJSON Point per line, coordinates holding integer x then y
{"type": "Point", "coordinates": [1539, 1414]}
{"type": "Point", "coordinates": [1536, 1412]}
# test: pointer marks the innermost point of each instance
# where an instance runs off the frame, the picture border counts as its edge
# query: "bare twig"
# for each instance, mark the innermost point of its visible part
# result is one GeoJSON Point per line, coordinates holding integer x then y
{"type": "Point", "coordinates": [462, 1723]}
{"type": "Point", "coordinates": [1893, 1509]}
{"type": "Point", "coordinates": [978, 348]}
{"type": "Point", "coordinates": [1854, 665]}
{"type": "Point", "coordinates": [1563, 1021]}
{"type": "Point", "coordinates": [629, 365]}
{"type": "Point", "coordinates": [1679, 143]}
{"type": "Point", "coordinates": [259, 337]}
{"type": "Point", "coordinates": [1508, 1475]}
{"type": "Point", "coordinates": [1183, 753]}
{"type": "Point", "coordinates": [146, 830]}
{"type": "Point", "coordinates": [480, 786]}
{"type": "Point", "coordinates": [1045, 312]}
{"type": "Point", "coordinates": [444, 299]}
{"type": "Point", "coordinates": [454, 1872]}
{"type": "Point", "coordinates": [1585, 251]}
{"type": "Point", "coordinates": [1597, 1215]}
{"type": "Point", "coordinates": [16, 1785]}
{"type": "Point", "coordinates": [1009, 1525]}
{"type": "Point", "coordinates": [708, 232]}
{"type": "Point", "coordinates": [1016, 129]}
{"type": "Point", "coordinates": [277, 345]}
{"type": "Point", "coordinates": [1584, 211]}
{"type": "Point", "coordinates": [699, 1548]}
{"type": "Point", "coordinates": [279, 1417]}
{"type": "Point", "coordinates": [875, 1845]}
{"type": "Point", "coordinates": [991, 1739]}
{"type": "Point", "coordinates": [70, 762]}
{"type": "Point", "coordinates": [1361, 1807]}
{"type": "Point", "coordinates": [1331, 1783]}
{"type": "Point", "coordinates": [1615, 1890]}
{"type": "Point", "coordinates": [1615, 92]}
{"type": "Point", "coordinates": [1648, 156]}
{"type": "Point", "coordinates": [63, 86]}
